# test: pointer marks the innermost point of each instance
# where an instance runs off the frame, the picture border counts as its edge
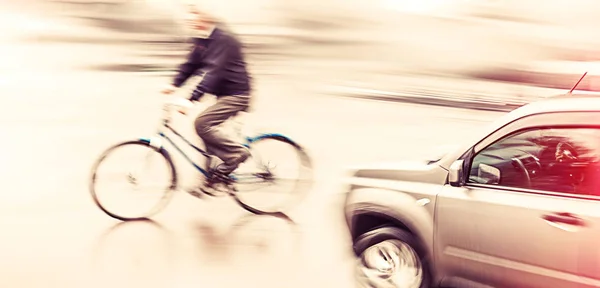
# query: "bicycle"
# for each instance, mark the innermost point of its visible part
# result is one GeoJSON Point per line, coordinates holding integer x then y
{"type": "Point", "coordinates": [261, 173]}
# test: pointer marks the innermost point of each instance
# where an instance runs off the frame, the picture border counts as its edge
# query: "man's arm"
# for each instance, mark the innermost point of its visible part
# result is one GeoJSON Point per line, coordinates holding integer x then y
{"type": "Point", "coordinates": [186, 69]}
{"type": "Point", "coordinates": [214, 63]}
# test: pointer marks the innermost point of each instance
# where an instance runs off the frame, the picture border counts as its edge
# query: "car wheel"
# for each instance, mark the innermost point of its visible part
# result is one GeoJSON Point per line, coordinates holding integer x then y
{"type": "Point", "coordinates": [390, 257]}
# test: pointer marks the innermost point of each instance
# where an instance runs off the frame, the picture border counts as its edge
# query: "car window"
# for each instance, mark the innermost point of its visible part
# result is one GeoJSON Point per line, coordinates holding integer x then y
{"type": "Point", "coordinates": [562, 160]}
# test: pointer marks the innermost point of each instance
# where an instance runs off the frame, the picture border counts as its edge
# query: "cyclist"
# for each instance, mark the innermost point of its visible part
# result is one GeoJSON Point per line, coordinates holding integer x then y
{"type": "Point", "coordinates": [218, 54]}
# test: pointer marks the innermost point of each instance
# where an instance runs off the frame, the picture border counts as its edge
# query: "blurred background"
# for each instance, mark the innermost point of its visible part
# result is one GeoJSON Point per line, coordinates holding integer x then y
{"type": "Point", "coordinates": [79, 75]}
{"type": "Point", "coordinates": [382, 44]}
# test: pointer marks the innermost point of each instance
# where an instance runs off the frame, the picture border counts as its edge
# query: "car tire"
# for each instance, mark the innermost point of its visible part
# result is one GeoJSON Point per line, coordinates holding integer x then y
{"type": "Point", "coordinates": [401, 261]}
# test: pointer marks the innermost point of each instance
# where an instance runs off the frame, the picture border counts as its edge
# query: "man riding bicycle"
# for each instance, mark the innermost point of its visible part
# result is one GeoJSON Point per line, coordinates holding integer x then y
{"type": "Point", "coordinates": [218, 54]}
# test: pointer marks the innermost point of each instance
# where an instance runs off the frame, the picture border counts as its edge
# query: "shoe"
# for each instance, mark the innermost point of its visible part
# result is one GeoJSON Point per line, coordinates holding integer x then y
{"type": "Point", "coordinates": [245, 157]}
{"type": "Point", "coordinates": [223, 177]}
{"type": "Point", "coordinates": [238, 162]}
{"type": "Point", "coordinates": [217, 177]}
{"type": "Point", "coordinates": [217, 184]}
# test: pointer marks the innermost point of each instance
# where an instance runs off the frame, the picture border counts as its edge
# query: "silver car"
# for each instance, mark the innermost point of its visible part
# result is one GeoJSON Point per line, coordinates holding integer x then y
{"type": "Point", "coordinates": [516, 206]}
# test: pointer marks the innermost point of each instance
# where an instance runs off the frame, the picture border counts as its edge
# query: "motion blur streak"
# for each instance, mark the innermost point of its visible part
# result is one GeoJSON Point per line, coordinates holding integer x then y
{"type": "Point", "coordinates": [79, 75]}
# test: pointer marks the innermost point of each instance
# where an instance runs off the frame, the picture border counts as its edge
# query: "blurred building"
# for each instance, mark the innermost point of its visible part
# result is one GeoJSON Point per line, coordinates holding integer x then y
{"type": "Point", "coordinates": [398, 36]}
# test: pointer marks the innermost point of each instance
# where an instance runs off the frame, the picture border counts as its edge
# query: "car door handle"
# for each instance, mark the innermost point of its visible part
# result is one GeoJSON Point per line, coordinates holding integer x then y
{"type": "Point", "coordinates": [564, 218]}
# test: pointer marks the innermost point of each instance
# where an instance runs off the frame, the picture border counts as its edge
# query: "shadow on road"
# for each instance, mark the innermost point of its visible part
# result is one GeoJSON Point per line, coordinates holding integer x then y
{"type": "Point", "coordinates": [135, 232]}
{"type": "Point", "coordinates": [143, 242]}
{"type": "Point", "coordinates": [249, 237]}
{"type": "Point", "coordinates": [138, 252]}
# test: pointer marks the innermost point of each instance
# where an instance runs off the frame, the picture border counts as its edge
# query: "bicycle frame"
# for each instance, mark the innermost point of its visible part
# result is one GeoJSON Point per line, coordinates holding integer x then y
{"type": "Point", "coordinates": [202, 152]}
{"type": "Point", "coordinates": [262, 174]}
{"type": "Point", "coordinates": [161, 135]}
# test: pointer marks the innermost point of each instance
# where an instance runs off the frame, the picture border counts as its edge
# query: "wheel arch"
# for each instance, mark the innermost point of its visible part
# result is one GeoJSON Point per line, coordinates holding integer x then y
{"type": "Point", "coordinates": [368, 209]}
{"type": "Point", "coordinates": [365, 221]}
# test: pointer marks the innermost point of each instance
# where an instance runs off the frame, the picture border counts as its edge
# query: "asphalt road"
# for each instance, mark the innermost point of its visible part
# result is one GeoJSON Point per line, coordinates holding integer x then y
{"type": "Point", "coordinates": [56, 118]}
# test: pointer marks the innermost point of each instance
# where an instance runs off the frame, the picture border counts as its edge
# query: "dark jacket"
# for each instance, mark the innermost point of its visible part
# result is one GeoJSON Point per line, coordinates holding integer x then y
{"type": "Point", "coordinates": [221, 59]}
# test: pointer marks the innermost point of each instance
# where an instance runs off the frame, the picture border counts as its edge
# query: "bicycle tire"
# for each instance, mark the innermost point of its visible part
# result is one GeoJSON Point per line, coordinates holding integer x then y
{"type": "Point", "coordinates": [163, 201]}
{"type": "Point", "coordinates": [300, 191]}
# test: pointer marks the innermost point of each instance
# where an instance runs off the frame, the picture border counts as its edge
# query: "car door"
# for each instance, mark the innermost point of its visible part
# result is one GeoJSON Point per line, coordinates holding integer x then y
{"type": "Point", "coordinates": [527, 212]}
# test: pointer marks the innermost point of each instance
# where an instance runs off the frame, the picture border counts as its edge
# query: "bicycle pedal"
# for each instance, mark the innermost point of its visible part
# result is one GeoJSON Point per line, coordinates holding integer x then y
{"type": "Point", "coordinates": [215, 192]}
{"type": "Point", "coordinates": [196, 194]}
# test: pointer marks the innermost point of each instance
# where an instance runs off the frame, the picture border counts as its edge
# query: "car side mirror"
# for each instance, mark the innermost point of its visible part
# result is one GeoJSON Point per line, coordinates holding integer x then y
{"type": "Point", "coordinates": [456, 176]}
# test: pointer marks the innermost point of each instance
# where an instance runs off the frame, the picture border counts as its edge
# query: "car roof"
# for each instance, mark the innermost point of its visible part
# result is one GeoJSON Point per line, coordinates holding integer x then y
{"type": "Point", "coordinates": [560, 103]}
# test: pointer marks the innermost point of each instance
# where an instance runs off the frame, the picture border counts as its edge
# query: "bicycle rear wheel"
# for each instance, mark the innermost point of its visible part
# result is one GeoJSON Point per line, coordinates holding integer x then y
{"type": "Point", "coordinates": [266, 186]}
{"type": "Point", "coordinates": [116, 182]}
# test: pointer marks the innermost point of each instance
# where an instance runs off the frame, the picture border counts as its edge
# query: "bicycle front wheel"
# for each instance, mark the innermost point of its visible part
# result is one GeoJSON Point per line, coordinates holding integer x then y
{"type": "Point", "coordinates": [133, 181]}
{"type": "Point", "coordinates": [277, 176]}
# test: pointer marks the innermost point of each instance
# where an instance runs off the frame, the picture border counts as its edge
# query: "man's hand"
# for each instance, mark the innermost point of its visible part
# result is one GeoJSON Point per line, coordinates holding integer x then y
{"type": "Point", "coordinates": [169, 89]}
{"type": "Point", "coordinates": [183, 105]}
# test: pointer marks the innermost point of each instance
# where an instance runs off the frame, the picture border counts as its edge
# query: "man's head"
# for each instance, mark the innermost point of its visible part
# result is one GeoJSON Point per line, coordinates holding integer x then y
{"type": "Point", "coordinates": [199, 20]}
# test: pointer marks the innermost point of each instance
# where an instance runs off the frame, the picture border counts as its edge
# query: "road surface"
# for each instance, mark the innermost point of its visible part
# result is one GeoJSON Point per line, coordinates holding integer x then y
{"type": "Point", "coordinates": [57, 118]}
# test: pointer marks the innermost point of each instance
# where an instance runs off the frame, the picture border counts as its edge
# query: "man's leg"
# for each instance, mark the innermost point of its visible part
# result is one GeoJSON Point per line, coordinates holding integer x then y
{"type": "Point", "coordinates": [229, 151]}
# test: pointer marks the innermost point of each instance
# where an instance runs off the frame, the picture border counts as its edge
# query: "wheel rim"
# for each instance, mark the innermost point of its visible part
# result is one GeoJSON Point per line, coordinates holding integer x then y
{"type": "Point", "coordinates": [391, 263]}
{"type": "Point", "coordinates": [122, 192]}
{"type": "Point", "coordinates": [267, 186]}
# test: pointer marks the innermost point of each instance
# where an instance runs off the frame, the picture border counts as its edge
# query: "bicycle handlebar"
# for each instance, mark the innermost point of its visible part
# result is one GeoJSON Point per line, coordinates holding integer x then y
{"type": "Point", "coordinates": [168, 107]}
